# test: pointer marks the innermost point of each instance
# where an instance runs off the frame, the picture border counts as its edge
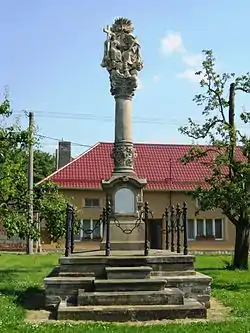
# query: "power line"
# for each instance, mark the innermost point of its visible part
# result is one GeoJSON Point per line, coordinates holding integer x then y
{"type": "Point", "coordinates": [88, 116]}
{"type": "Point", "coordinates": [93, 117]}
{"type": "Point", "coordinates": [55, 139]}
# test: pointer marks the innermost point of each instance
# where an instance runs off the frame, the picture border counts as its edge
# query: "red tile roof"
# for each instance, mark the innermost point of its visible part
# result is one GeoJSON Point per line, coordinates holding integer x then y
{"type": "Point", "coordinates": [158, 163]}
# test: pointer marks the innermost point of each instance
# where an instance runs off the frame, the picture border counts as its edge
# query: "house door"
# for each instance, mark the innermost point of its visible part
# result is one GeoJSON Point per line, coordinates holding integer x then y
{"type": "Point", "coordinates": [155, 234]}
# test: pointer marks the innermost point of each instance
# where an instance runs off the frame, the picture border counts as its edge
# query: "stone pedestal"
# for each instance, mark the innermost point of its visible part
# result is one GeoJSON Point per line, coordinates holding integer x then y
{"type": "Point", "coordinates": [125, 193]}
{"type": "Point", "coordinates": [120, 236]}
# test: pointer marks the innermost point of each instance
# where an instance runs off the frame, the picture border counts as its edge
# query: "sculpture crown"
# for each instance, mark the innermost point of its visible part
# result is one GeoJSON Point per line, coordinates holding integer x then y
{"type": "Point", "coordinates": [122, 24]}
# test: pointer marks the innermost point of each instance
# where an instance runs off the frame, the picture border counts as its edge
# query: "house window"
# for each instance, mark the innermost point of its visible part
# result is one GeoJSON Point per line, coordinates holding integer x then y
{"type": "Point", "coordinates": [205, 228]}
{"type": "Point", "coordinates": [86, 226]}
{"type": "Point", "coordinates": [92, 202]}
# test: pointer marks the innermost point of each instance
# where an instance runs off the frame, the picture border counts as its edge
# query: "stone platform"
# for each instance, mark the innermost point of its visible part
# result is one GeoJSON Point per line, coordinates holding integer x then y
{"type": "Point", "coordinates": [127, 286]}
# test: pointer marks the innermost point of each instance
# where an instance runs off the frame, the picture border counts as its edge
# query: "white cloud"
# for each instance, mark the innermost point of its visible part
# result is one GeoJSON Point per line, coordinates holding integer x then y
{"type": "Point", "coordinates": [189, 74]}
{"type": "Point", "coordinates": [171, 43]}
{"type": "Point", "coordinates": [156, 78]}
{"type": "Point", "coordinates": [193, 59]}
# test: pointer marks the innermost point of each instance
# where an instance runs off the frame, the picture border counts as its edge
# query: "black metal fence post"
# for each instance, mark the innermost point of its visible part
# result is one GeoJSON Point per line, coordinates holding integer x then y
{"type": "Point", "coordinates": [103, 220]}
{"type": "Point", "coordinates": [146, 245]}
{"type": "Point", "coordinates": [178, 228]}
{"type": "Point", "coordinates": [108, 216]}
{"type": "Point", "coordinates": [72, 231]}
{"type": "Point", "coordinates": [68, 229]}
{"type": "Point", "coordinates": [185, 234]}
{"type": "Point", "coordinates": [172, 227]}
{"type": "Point", "coordinates": [167, 229]}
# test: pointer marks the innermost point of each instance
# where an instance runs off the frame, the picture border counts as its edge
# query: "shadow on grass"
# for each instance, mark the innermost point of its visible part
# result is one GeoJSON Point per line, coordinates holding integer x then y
{"type": "Point", "coordinates": [208, 269]}
{"type": "Point", "coordinates": [31, 298]}
{"type": "Point", "coordinates": [231, 286]}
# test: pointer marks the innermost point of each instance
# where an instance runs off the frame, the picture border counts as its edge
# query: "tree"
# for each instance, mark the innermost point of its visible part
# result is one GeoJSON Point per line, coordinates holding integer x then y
{"type": "Point", "coordinates": [44, 165]}
{"type": "Point", "coordinates": [14, 196]}
{"type": "Point", "coordinates": [51, 206]}
{"type": "Point", "coordinates": [13, 180]}
{"type": "Point", "coordinates": [229, 180]}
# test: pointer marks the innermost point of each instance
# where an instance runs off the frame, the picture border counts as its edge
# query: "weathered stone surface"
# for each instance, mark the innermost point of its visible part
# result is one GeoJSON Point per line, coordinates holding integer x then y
{"type": "Point", "coordinates": [138, 272]}
{"type": "Point", "coordinates": [97, 264]}
{"type": "Point", "coordinates": [129, 284]}
{"type": "Point", "coordinates": [122, 57]}
{"type": "Point", "coordinates": [61, 288]}
{"type": "Point", "coordinates": [166, 296]}
{"type": "Point", "coordinates": [190, 309]}
{"type": "Point", "coordinates": [196, 286]}
{"type": "Point", "coordinates": [166, 274]}
{"type": "Point", "coordinates": [176, 269]}
{"type": "Point", "coordinates": [77, 274]}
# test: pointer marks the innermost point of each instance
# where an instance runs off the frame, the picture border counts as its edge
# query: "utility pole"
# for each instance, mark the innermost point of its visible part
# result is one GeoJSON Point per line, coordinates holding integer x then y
{"type": "Point", "coordinates": [29, 245]}
{"type": "Point", "coordinates": [232, 131]}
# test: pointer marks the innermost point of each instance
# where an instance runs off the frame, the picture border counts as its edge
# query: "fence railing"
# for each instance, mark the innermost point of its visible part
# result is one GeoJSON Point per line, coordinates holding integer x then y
{"type": "Point", "coordinates": [175, 228]}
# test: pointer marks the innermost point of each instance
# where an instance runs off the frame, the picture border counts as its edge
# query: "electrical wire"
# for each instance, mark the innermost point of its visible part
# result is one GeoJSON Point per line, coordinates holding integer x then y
{"type": "Point", "coordinates": [55, 139]}
{"type": "Point", "coordinates": [93, 117]}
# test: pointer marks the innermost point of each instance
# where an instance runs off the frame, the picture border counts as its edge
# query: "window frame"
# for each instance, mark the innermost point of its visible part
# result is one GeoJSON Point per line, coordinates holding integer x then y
{"type": "Point", "coordinates": [92, 223]}
{"type": "Point", "coordinates": [91, 205]}
{"type": "Point", "coordinates": [204, 228]}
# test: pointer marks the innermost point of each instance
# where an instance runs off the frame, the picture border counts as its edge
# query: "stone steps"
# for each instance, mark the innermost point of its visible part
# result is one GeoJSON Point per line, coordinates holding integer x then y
{"type": "Point", "coordinates": [122, 313]}
{"type": "Point", "coordinates": [129, 285]}
{"type": "Point", "coordinates": [166, 296]}
{"type": "Point", "coordinates": [96, 262]}
{"type": "Point", "coordinates": [136, 272]}
{"type": "Point", "coordinates": [173, 273]}
{"type": "Point", "coordinates": [62, 287]}
{"type": "Point", "coordinates": [76, 274]}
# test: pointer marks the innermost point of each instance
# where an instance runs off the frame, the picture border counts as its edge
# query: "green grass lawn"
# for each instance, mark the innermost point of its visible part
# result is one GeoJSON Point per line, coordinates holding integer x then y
{"type": "Point", "coordinates": [20, 274]}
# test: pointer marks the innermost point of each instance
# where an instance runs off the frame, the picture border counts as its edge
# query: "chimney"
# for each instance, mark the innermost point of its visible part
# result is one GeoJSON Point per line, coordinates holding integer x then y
{"type": "Point", "coordinates": [64, 153]}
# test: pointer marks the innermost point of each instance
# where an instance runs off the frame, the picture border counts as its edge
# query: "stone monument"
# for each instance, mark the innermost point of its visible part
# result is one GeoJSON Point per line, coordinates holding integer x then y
{"type": "Point", "coordinates": [122, 59]}
{"type": "Point", "coordinates": [126, 285]}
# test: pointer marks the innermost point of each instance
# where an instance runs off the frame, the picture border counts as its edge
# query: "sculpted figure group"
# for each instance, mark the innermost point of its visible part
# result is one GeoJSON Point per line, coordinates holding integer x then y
{"type": "Point", "coordinates": [122, 56]}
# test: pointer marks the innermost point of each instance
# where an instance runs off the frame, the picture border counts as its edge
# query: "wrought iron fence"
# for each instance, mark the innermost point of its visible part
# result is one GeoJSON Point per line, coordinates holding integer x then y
{"type": "Point", "coordinates": [176, 225]}
{"type": "Point", "coordinates": [70, 228]}
{"type": "Point", "coordinates": [175, 219]}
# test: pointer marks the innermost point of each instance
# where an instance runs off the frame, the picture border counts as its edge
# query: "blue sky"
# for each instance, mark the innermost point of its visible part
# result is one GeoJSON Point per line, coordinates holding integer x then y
{"type": "Point", "coordinates": [51, 52]}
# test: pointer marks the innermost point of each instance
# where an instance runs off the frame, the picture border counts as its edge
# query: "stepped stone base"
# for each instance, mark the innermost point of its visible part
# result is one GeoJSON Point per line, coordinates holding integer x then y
{"type": "Point", "coordinates": [128, 286]}
{"type": "Point", "coordinates": [166, 296]}
{"type": "Point", "coordinates": [140, 272]}
{"type": "Point", "coordinates": [123, 313]}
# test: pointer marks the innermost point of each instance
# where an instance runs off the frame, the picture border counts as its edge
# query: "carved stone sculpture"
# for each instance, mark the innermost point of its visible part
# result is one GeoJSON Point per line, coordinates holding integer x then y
{"type": "Point", "coordinates": [123, 156]}
{"type": "Point", "coordinates": [122, 58]}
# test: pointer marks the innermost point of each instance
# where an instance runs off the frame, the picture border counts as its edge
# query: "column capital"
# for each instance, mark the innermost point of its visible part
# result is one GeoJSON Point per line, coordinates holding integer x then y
{"type": "Point", "coordinates": [121, 86]}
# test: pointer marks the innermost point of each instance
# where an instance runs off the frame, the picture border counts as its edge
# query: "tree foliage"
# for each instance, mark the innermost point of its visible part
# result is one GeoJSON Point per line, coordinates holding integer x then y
{"type": "Point", "coordinates": [13, 181]}
{"type": "Point", "coordinates": [44, 165]}
{"type": "Point", "coordinates": [229, 180]}
{"type": "Point", "coordinates": [14, 196]}
{"type": "Point", "coordinates": [51, 206]}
